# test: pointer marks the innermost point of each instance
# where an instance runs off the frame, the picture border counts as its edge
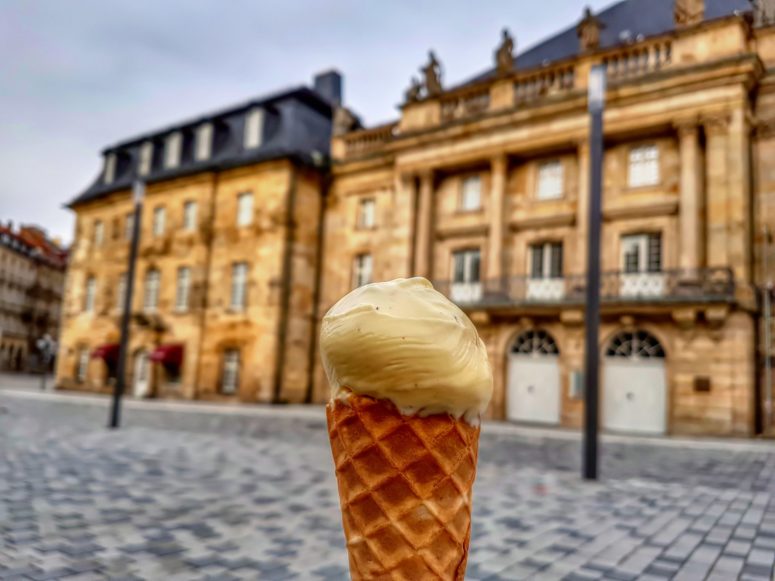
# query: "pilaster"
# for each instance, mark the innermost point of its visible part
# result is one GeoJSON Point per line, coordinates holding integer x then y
{"type": "Point", "coordinates": [497, 212]}
{"type": "Point", "coordinates": [690, 235]}
{"type": "Point", "coordinates": [717, 175]}
{"type": "Point", "coordinates": [422, 258]}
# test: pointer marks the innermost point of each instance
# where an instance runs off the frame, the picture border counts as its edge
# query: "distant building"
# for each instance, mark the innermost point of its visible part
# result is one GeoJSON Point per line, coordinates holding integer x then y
{"type": "Point", "coordinates": [32, 276]}
{"type": "Point", "coordinates": [226, 279]}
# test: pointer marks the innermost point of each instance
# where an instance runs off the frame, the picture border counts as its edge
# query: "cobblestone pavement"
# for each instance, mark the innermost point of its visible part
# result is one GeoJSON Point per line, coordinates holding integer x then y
{"type": "Point", "coordinates": [200, 494]}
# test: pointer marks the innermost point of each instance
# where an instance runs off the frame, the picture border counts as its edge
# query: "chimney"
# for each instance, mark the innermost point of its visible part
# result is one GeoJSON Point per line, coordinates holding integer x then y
{"type": "Point", "coordinates": [688, 12]}
{"type": "Point", "coordinates": [329, 86]}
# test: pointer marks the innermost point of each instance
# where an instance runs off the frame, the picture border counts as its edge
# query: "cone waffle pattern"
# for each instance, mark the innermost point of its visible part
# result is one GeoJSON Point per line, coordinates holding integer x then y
{"type": "Point", "coordinates": [405, 490]}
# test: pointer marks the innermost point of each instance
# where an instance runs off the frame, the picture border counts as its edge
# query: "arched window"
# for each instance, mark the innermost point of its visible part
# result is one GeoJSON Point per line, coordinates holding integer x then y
{"type": "Point", "coordinates": [637, 345]}
{"type": "Point", "coordinates": [535, 342]}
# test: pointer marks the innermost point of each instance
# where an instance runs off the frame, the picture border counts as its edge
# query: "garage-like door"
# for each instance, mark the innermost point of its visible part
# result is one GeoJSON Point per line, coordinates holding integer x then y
{"type": "Point", "coordinates": [635, 386]}
{"type": "Point", "coordinates": [534, 379]}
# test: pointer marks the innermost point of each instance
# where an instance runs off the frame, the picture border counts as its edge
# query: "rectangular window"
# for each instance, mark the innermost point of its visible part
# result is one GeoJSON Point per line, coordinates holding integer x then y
{"type": "Point", "coordinates": [362, 270]}
{"type": "Point", "coordinates": [159, 219]}
{"type": "Point", "coordinates": [82, 369]}
{"type": "Point", "coordinates": [110, 168]}
{"type": "Point", "coordinates": [239, 281]}
{"type": "Point", "coordinates": [641, 253]}
{"type": "Point", "coordinates": [230, 372]}
{"type": "Point", "coordinates": [146, 158]}
{"type": "Point", "coordinates": [129, 224]}
{"type": "Point", "coordinates": [466, 276]}
{"type": "Point", "coordinates": [546, 260]}
{"type": "Point", "coordinates": [471, 194]}
{"type": "Point", "coordinates": [366, 210]}
{"type": "Point", "coordinates": [244, 209]}
{"type": "Point", "coordinates": [99, 233]}
{"type": "Point", "coordinates": [172, 148]}
{"type": "Point", "coordinates": [121, 292]}
{"type": "Point", "coordinates": [644, 166]}
{"type": "Point", "coordinates": [91, 294]}
{"type": "Point", "coordinates": [254, 127]}
{"type": "Point", "coordinates": [551, 180]}
{"type": "Point", "coordinates": [189, 216]}
{"type": "Point", "coordinates": [183, 288]}
{"type": "Point", "coordinates": [204, 142]}
{"type": "Point", "coordinates": [151, 298]}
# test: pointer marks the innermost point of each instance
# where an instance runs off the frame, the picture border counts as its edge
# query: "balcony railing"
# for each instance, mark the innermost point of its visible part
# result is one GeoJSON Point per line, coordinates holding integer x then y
{"type": "Point", "coordinates": [676, 286]}
{"type": "Point", "coordinates": [471, 102]}
{"type": "Point", "coordinates": [638, 60]}
{"type": "Point", "coordinates": [543, 83]}
{"type": "Point", "coordinates": [367, 140]}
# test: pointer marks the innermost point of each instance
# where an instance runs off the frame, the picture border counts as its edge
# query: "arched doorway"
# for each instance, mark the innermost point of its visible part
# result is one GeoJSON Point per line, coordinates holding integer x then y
{"type": "Point", "coordinates": [635, 384]}
{"type": "Point", "coordinates": [534, 379]}
{"type": "Point", "coordinates": [142, 375]}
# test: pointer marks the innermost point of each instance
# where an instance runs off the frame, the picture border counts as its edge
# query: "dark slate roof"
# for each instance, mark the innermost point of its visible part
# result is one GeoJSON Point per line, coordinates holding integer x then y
{"type": "Point", "coordinates": [297, 125]}
{"type": "Point", "coordinates": [638, 17]}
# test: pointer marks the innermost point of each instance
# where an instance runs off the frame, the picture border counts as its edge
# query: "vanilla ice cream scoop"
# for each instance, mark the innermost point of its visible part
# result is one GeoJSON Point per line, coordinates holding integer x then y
{"type": "Point", "coordinates": [405, 342]}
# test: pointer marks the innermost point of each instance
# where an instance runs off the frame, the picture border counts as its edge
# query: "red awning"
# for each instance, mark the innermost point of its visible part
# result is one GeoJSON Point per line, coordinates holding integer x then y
{"type": "Point", "coordinates": [168, 354]}
{"type": "Point", "coordinates": [108, 353]}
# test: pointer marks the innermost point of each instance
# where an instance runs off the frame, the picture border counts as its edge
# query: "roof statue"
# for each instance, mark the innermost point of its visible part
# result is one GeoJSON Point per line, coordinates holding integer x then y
{"type": "Point", "coordinates": [504, 55]}
{"type": "Point", "coordinates": [763, 12]}
{"type": "Point", "coordinates": [432, 74]}
{"type": "Point", "coordinates": [688, 12]}
{"type": "Point", "coordinates": [588, 31]}
{"type": "Point", "coordinates": [413, 93]}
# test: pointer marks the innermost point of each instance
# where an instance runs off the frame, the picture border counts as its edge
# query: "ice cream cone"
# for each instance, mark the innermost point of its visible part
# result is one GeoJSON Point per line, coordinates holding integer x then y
{"type": "Point", "coordinates": [405, 488]}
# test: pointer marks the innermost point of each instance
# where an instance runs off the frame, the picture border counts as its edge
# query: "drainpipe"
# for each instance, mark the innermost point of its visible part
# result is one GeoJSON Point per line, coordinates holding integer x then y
{"type": "Point", "coordinates": [313, 340]}
{"type": "Point", "coordinates": [285, 286]}
{"type": "Point", "coordinates": [204, 302]}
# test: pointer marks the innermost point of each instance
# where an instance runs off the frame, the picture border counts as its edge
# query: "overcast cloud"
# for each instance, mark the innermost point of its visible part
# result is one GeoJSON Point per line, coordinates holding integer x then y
{"type": "Point", "coordinates": [79, 75]}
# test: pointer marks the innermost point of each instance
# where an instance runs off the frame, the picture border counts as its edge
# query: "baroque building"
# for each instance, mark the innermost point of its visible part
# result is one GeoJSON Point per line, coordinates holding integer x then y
{"type": "Point", "coordinates": [258, 218]}
{"type": "Point", "coordinates": [32, 280]}
{"type": "Point", "coordinates": [484, 189]}
{"type": "Point", "coordinates": [226, 279]}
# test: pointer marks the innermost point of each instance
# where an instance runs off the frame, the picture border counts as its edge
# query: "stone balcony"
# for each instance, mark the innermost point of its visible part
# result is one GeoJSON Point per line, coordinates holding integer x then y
{"type": "Point", "coordinates": [707, 285]}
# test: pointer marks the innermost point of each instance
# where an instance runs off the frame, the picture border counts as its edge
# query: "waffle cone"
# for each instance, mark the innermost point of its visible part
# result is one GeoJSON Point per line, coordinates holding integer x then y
{"type": "Point", "coordinates": [404, 488]}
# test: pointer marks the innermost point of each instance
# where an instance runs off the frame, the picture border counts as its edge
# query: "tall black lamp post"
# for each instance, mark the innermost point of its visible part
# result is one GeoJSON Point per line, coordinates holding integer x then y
{"type": "Point", "coordinates": [597, 88]}
{"type": "Point", "coordinates": [138, 191]}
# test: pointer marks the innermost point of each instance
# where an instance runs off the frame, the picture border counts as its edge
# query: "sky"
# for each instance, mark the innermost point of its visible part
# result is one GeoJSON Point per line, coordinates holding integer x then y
{"type": "Point", "coordinates": [79, 75]}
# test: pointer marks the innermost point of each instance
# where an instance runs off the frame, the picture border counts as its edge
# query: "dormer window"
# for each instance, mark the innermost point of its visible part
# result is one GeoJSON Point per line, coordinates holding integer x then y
{"type": "Point", "coordinates": [146, 158]}
{"type": "Point", "coordinates": [172, 150]}
{"type": "Point", "coordinates": [109, 174]}
{"type": "Point", "coordinates": [254, 127]}
{"type": "Point", "coordinates": [204, 142]}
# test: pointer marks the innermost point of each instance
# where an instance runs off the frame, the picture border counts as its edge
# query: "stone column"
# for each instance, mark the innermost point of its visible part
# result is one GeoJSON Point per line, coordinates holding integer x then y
{"type": "Point", "coordinates": [423, 242]}
{"type": "Point", "coordinates": [497, 212]}
{"type": "Point", "coordinates": [739, 193]}
{"type": "Point", "coordinates": [716, 131]}
{"type": "Point", "coordinates": [690, 234]}
{"type": "Point", "coordinates": [582, 208]}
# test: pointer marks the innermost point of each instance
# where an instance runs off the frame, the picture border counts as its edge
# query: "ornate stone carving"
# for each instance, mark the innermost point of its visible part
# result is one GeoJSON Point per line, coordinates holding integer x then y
{"type": "Point", "coordinates": [345, 121]}
{"type": "Point", "coordinates": [504, 55]}
{"type": "Point", "coordinates": [432, 75]}
{"type": "Point", "coordinates": [588, 31]}
{"type": "Point", "coordinates": [414, 92]}
{"type": "Point", "coordinates": [686, 127]}
{"type": "Point", "coordinates": [688, 12]}
{"type": "Point", "coordinates": [763, 12]}
{"type": "Point", "coordinates": [716, 124]}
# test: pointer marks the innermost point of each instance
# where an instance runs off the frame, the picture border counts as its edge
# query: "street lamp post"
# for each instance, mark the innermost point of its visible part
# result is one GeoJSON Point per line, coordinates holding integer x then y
{"type": "Point", "coordinates": [597, 88]}
{"type": "Point", "coordinates": [138, 191]}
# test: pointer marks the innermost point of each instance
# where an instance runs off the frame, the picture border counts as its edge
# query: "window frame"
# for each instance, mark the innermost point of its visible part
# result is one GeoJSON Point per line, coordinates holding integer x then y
{"type": "Point", "coordinates": [90, 295]}
{"type": "Point", "coordinates": [254, 128]}
{"type": "Point", "coordinates": [173, 147]}
{"type": "Point", "coordinates": [363, 269]}
{"type": "Point", "coordinates": [190, 210]}
{"type": "Point", "coordinates": [370, 223]}
{"type": "Point", "coordinates": [463, 202]}
{"type": "Point", "coordinates": [99, 233]}
{"type": "Point", "coordinates": [145, 158]}
{"type": "Point", "coordinates": [239, 286]}
{"type": "Point", "coordinates": [467, 258]}
{"type": "Point", "coordinates": [644, 244]}
{"type": "Point", "coordinates": [550, 172]}
{"type": "Point", "coordinates": [159, 221]}
{"type": "Point", "coordinates": [109, 171]}
{"type": "Point", "coordinates": [203, 142]}
{"type": "Point", "coordinates": [640, 173]}
{"type": "Point", "coordinates": [551, 254]}
{"type": "Point", "coordinates": [230, 357]}
{"type": "Point", "coordinates": [182, 291]}
{"type": "Point", "coordinates": [151, 290]}
{"type": "Point", "coordinates": [244, 216]}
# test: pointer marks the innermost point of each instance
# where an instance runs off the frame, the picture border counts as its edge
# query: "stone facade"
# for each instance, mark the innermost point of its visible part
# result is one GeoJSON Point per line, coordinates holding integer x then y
{"type": "Point", "coordinates": [484, 189]}
{"type": "Point", "coordinates": [32, 277]}
{"type": "Point", "coordinates": [684, 99]}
